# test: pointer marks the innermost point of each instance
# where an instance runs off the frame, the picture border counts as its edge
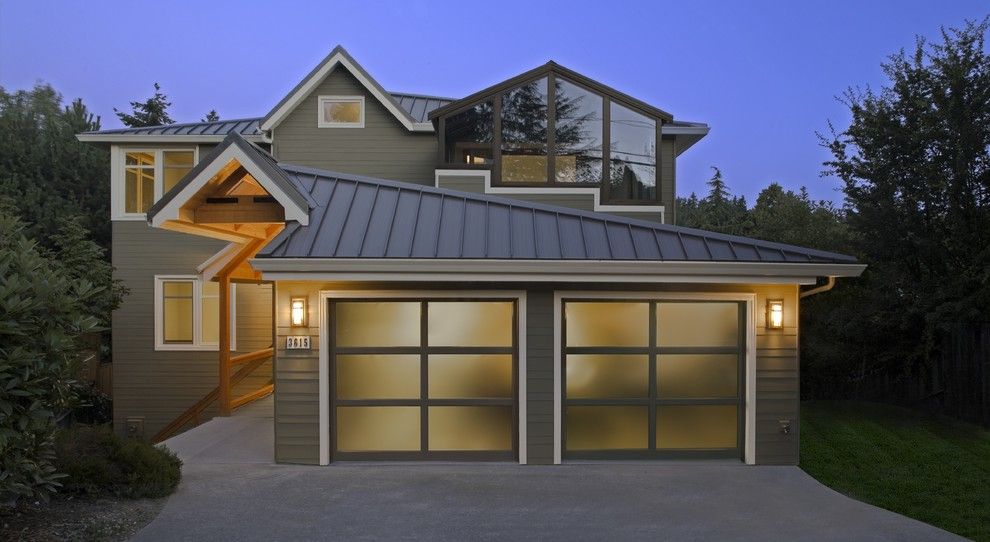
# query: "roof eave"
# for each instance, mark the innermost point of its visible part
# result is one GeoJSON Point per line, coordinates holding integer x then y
{"type": "Point", "coordinates": [162, 138]}
{"type": "Point", "coordinates": [409, 269]}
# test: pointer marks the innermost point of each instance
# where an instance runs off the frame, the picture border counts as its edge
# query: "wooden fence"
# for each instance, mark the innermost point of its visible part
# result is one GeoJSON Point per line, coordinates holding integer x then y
{"type": "Point", "coordinates": [965, 372]}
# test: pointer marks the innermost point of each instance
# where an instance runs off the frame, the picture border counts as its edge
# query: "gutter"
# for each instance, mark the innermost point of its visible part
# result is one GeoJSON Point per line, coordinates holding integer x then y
{"type": "Point", "coordinates": [820, 289]}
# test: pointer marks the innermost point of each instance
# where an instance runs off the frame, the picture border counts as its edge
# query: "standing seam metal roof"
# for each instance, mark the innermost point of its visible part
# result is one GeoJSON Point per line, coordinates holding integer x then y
{"type": "Point", "coordinates": [417, 105]}
{"type": "Point", "coordinates": [362, 217]}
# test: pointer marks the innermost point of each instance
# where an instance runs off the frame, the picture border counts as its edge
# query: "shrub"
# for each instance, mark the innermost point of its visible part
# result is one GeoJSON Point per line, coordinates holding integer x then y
{"type": "Point", "coordinates": [98, 462]}
{"type": "Point", "coordinates": [43, 313]}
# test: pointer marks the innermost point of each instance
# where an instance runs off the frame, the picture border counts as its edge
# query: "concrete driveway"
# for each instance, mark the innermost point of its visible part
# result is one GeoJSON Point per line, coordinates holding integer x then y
{"type": "Point", "coordinates": [237, 497]}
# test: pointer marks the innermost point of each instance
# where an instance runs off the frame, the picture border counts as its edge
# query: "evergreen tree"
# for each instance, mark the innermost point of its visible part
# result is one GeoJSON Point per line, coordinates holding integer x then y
{"type": "Point", "coordinates": [212, 116]}
{"type": "Point", "coordinates": [151, 112]}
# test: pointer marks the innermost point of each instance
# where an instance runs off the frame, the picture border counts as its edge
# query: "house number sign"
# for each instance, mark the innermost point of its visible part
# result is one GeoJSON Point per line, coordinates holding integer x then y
{"type": "Point", "coordinates": [298, 342]}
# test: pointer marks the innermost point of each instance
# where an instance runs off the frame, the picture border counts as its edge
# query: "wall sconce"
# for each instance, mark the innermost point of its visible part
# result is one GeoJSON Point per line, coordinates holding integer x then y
{"type": "Point", "coordinates": [775, 313]}
{"type": "Point", "coordinates": [298, 311]}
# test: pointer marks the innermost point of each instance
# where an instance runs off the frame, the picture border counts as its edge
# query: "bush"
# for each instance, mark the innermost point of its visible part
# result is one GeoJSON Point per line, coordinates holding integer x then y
{"type": "Point", "coordinates": [96, 461]}
{"type": "Point", "coordinates": [43, 313]}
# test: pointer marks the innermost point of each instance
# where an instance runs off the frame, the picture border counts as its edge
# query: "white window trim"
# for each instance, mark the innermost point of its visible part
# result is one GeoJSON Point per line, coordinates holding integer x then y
{"type": "Point", "coordinates": [559, 296]}
{"type": "Point", "coordinates": [197, 344]}
{"type": "Point", "coordinates": [117, 178]}
{"type": "Point", "coordinates": [320, 123]}
{"type": "Point", "coordinates": [324, 369]}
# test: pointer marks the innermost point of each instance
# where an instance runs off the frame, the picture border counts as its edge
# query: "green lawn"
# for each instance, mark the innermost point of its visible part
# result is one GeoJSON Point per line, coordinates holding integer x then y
{"type": "Point", "coordinates": [929, 468]}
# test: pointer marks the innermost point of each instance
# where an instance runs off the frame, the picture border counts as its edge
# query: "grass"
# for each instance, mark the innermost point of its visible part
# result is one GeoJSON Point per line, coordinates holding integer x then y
{"type": "Point", "coordinates": [929, 468]}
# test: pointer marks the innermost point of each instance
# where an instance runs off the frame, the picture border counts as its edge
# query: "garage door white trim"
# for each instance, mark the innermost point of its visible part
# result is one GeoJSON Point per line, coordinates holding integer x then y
{"type": "Point", "coordinates": [748, 298]}
{"type": "Point", "coordinates": [326, 295]}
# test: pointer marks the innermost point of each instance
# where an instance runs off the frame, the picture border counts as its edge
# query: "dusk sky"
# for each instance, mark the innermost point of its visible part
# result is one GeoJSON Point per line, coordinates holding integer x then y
{"type": "Point", "coordinates": [764, 75]}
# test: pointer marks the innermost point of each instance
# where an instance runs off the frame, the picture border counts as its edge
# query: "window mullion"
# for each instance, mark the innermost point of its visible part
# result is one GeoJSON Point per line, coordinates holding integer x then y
{"type": "Point", "coordinates": [159, 169]}
{"type": "Point", "coordinates": [551, 128]}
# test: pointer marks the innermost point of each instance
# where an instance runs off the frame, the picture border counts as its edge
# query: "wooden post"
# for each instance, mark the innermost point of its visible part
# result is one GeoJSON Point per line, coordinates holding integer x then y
{"type": "Point", "coordinates": [224, 384]}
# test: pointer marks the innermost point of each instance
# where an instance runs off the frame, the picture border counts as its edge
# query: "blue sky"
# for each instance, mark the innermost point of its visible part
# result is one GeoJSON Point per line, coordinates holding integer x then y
{"type": "Point", "coordinates": [763, 74]}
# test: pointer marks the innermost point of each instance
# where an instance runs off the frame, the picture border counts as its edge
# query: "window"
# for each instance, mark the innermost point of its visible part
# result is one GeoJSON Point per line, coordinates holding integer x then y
{"type": "Point", "coordinates": [554, 131]}
{"type": "Point", "coordinates": [341, 112]}
{"type": "Point", "coordinates": [652, 378]}
{"type": "Point", "coordinates": [187, 314]}
{"type": "Point", "coordinates": [144, 175]}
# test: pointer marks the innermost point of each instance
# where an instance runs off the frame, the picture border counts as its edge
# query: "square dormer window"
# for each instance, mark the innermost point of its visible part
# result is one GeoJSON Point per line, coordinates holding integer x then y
{"type": "Point", "coordinates": [340, 112]}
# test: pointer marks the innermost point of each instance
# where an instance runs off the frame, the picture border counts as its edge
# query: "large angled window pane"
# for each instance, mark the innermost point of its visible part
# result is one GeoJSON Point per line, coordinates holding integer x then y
{"type": "Point", "coordinates": [524, 133]}
{"type": "Point", "coordinates": [470, 323]}
{"type": "Point", "coordinates": [463, 376]}
{"type": "Point", "coordinates": [697, 426]}
{"type": "Point", "coordinates": [383, 324]}
{"type": "Point", "coordinates": [607, 323]}
{"type": "Point", "coordinates": [378, 429]}
{"type": "Point", "coordinates": [633, 155]}
{"type": "Point", "coordinates": [577, 134]}
{"type": "Point", "coordinates": [378, 376]}
{"type": "Point", "coordinates": [139, 189]}
{"type": "Point", "coordinates": [607, 427]}
{"type": "Point", "coordinates": [600, 376]}
{"type": "Point", "coordinates": [692, 376]}
{"type": "Point", "coordinates": [468, 135]}
{"type": "Point", "coordinates": [175, 166]}
{"type": "Point", "coordinates": [704, 324]}
{"type": "Point", "coordinates": [470, 428]}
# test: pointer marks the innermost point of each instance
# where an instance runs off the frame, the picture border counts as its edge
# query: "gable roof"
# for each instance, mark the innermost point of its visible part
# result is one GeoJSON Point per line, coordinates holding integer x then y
{"type": "Point", "coordinates": [567, 73]}
{"type": "Point", "coordinates": [259, 163]}
{"type": "Point", "coordinates": [340, 57]}
{"type": "Point", "coordinates": [365, 218]}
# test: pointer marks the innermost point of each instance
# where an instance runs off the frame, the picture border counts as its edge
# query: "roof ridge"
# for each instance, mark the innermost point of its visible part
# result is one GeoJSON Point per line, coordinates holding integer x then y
{"type": "Point", "coordinates": [605, 218]}
{"type": "Point", "coordinates": [417, 95]}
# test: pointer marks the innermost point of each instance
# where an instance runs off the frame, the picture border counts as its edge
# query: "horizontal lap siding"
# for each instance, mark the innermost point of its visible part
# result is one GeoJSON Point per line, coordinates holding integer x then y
{"type": "Point", "coordinates": [160, 385]}
{"type": "Point", "coordinates": [384, 148]}
{"type": "Point", "coordinates": [778, 388]}
{"type": "Point", "coordinates": [297, 380]}
{"type": "Point", "coordinates": [539, 377]}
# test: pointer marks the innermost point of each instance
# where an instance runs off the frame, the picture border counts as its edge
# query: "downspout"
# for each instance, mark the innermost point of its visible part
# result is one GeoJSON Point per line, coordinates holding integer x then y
{"type": "Point", "coordinates": [819, 289]}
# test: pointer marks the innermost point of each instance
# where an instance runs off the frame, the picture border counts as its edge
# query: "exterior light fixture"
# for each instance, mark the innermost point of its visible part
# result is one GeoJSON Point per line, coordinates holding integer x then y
{"type": "Point", "coordinates": [775, 313]}
{"type": "Point", "coordinates": [298, 311]}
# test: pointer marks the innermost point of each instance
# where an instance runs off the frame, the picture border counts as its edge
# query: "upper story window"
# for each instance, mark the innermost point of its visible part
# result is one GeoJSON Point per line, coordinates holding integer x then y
{"type": "Point", "coordinates": [552, 131]}
{"type": "Point", "coordinates": [147, 174]}
{"type": "Point", "coordinates": [341, 112]}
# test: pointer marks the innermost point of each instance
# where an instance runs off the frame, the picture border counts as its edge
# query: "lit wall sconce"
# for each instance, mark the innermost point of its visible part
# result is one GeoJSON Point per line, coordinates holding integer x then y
{"type": "Point", "coordinates": [298, 313]}
{"type": "Point", "coordinates": [775, 313]}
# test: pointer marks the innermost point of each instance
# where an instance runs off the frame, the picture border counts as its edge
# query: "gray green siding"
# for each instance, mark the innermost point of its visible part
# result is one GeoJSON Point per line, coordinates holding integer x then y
{"type": "Point", "coordinates": [160, 385]}
{"type": "Point", "coordinates": [777, 386]}
{"type": "Point", "coordinates": [384, 148]}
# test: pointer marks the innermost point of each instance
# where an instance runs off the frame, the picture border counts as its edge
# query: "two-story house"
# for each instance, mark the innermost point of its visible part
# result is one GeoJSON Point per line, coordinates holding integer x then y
{"type": "Point", "coordinates": [496, 277]}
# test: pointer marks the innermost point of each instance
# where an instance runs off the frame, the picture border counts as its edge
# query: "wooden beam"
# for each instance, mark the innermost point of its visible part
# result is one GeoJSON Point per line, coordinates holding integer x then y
{"type": "Point", "coordinates": [225, 386]}
{"type": "Point", "coordinates": [251, 356]}
{"type": "Point", "coordinates": [239, 213]}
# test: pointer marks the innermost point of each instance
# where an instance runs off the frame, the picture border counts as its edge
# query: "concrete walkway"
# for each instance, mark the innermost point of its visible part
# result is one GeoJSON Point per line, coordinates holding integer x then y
{"type": "Point", "coordinates": [228, 494]}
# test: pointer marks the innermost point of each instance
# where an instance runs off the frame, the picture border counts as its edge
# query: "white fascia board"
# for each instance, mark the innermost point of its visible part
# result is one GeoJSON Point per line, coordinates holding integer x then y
{"type": "Point", "coordinates": [549, 270]}
{"type": "Point", "coordinates": [596, 193]}
{"type": "Point", "coordinates": [209, 269]}
{"type": "Point", "coordinates": [321, 74]}
{"type": "Point", "coordinates": [159, 138]}
{"type": "Point", "coordinates": [231, 153]}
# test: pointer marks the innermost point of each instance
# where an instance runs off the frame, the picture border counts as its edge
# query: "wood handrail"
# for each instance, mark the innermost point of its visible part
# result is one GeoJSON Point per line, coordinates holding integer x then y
{"type": "Point", "coordinates": [263, 391]}
{"type": "Point", "coordinates": [193, 412]}
{"type": "Point", "coordinates": [251, 356]}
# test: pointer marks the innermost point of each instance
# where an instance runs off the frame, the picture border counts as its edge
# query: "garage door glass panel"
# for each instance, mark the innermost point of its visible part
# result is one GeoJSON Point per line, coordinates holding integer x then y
{"type": "Point", "coordinates": [377, 324]}
{"type": "Point", "coordinates": [476, 428]}
{"type": "Point", "coordinates": [597, 376]}
{"type": "Point", "coordinates": [454, 376]}
{"type": "Point", "coordinates": [697, 375]}
{"type": "Point", "coordinates": [697, 427]}
{"type": "Point", "coordinates": [607, 324]}
{"type": "Point", "coordinates": [378, 376]}
{"type": "Point", "coordinates": [378, 429]}
{"type": "Point", "coordinates": [470, 323]}
{"type": "Point", "coordinates": [698, 324]}
{"type": "Point", "coordinates": [607, 427]}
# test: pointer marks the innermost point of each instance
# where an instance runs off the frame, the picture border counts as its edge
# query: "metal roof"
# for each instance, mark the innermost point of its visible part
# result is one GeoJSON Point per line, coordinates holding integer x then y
{"type": "Point", "coordinates": [417, 105]}
{"type": "Point", "coordinates": [362, 217]}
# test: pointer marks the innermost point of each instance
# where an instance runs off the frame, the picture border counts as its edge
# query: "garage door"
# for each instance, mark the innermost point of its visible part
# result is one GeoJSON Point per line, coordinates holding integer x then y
{"type": "Point", "coordinates": [651, 379]}
{"type": "Point", "coordinates": [423, 379]}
